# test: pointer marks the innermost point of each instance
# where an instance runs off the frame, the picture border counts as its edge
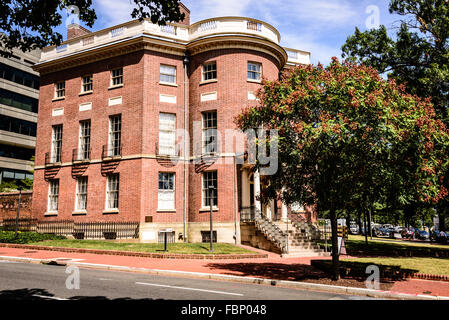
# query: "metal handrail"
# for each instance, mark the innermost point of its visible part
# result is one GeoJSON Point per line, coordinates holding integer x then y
{"type": "Point", "coordinates": [78, 155]}
{"type": "Point", "coordinates": [107, 152]}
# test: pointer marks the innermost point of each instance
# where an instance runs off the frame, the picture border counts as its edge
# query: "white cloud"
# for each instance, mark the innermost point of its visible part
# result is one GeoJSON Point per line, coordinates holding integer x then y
{"type": "Point", "coordinates": [204, 9]}
{"type": "Point", "coordinates": [113, 12]}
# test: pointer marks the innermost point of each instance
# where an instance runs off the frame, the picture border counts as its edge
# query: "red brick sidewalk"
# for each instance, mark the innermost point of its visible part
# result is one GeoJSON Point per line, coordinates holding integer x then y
{"type": "Point", "coordinates": [273, 267]}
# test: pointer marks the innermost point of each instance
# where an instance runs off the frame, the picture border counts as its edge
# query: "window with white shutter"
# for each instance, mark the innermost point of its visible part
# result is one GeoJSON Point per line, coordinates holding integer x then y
{"type": "Point", "coordinates": [167, 134]}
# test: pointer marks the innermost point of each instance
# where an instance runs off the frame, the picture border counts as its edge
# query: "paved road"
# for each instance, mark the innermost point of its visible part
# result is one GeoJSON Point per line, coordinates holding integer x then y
{"type": "Point", "coordinates": [36, 281]}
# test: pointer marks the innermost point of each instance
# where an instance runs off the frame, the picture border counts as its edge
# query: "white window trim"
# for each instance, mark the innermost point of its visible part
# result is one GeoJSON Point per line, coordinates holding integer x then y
{"type": "Point", "coordinates": [166, 191]}
{"type": "Point", "coordinates": [107, 208]}
{"type": "Point", "coordinates": [167, 131]}
{"type": "Point", "coordinates": [77, 209]}
{"type": "Point", "coordinates": [111, 83]}
{"type": "Point", "coordinates": [260, 73]}
{"type": "Point", "coordinates": [166, 82]}
{"type": "Point", "coordinates": [203, 199]}
{"type": "Point", "coordinates": [91, 83]}
{"type": "Point", "coordinates": [80, 139]}
{"type": "Point", "coordinates": [60, 89]}
{"type": "Point", "coordinates": [203, 131]}
{"type": "Point", "coordinates": [203, 73]}
{"type": "Point", "coordinates": [49, 210]}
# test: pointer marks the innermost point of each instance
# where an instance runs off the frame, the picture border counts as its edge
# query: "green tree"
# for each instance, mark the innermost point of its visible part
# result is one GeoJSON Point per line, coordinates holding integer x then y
{"type": "Point", "coordinates": [416, 55]}
{"type": "Point", "coordinates": [345, 135]}
{"type": "Point", "coordinates": [30, 24]}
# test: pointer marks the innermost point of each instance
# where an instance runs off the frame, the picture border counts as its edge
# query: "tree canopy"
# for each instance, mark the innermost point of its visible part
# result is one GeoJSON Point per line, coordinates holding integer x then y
{"type": "Point", "coordinates": [417, 55]}
{"type": "Point", "coordinates": [30, 24]}
{"type": "Point", "coordinates": [347, 137]}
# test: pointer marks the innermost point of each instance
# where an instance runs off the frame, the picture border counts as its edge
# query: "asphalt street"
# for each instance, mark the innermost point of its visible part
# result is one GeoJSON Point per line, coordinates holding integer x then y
{"type": "Point", "coordinates": [24, 281]}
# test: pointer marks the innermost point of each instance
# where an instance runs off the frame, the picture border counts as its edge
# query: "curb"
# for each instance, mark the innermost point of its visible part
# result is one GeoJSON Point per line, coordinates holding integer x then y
{"type": "Point", "coordinates": [249, 280]}
{"type": "Point", "coordinates": [139, 254]}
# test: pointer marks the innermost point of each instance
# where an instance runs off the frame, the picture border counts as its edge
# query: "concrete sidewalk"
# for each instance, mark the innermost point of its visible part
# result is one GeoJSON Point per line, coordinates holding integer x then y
{"type": "Point", "coordinates": [283, 271]}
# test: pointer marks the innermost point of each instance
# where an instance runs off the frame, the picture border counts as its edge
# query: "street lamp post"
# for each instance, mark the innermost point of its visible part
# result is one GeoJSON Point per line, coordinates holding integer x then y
{"type": "Point", "coordinates": [211, 193]}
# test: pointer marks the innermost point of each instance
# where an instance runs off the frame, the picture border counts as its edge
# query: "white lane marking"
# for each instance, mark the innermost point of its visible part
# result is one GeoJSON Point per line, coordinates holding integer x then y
{"type": "Point", "coordinates": [104, 279]}
{"type": "Point", "coordinates": [47, 297]}
{"type": "Point", "coordinates": [6, 261]}
{"type": "Point", "coordinates": [185, 288]}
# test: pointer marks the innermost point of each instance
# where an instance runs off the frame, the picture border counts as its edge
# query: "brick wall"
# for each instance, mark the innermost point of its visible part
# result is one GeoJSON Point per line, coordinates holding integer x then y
{"type": "Point", "coordinates": [9, 203]}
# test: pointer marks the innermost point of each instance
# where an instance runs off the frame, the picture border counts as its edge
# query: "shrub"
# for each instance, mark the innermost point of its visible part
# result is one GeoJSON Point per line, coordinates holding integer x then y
{"type": "Point", "coordinates": [26, 237]}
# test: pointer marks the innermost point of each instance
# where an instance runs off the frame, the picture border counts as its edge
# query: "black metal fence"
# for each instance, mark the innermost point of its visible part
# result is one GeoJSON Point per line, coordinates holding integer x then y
{"type": "Point", "coordinates": [79, 230]}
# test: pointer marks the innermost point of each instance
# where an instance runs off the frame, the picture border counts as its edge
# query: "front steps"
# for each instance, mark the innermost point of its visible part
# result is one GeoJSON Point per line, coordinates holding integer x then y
{"type": "Point", "coordinates": [300, 243]}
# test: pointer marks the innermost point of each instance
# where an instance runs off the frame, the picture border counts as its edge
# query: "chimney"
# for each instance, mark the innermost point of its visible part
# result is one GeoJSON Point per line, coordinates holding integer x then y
{"type": "Point", "coordinates": [74, 30]}
{"type": "Point", "coordinates": [186, 11]}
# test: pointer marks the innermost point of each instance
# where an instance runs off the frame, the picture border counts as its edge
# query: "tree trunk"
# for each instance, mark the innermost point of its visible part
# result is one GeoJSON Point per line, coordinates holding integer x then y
{"type": "Point", "coordinates": [441, 217]}
{"type": "Point", "coordinates": [369, 225]}
{"type": "Point", "coordinates": [359, 221]}
{"type": "Point", "coordinates": [365, 227]}
{"type": "Point", "coordinates": [348, 221]}
{"type": "Point", "coordinates": [335, 253]}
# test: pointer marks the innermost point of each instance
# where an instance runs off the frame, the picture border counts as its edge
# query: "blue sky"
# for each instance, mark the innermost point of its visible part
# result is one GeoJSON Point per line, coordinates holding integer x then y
{"type": "Point", "coordinates": [318, 26]}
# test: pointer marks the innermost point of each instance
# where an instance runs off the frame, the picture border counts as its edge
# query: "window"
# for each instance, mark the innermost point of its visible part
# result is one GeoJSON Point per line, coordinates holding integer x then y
{"type": "Point", "coordinates": [81, 194]}
{"type": "Point", "coordinates": [60, 90]}
{"type": "Point", "coordinates": [209, 179]}
{"type": "Point", "coordinates": [166, 193]}
{"type": "Point", "coordinates": [210, 71]}
{"type": "Point", "coordinates": [210, 132]}
{"type": "Point", "coordinates": [167, 134]}
{"type": "Point", "coordinates": [117, 77]}
{"type": "Point", "coordinates": [9, 151]}
{"type": "Point", "coordinates": [56, 144]}
{"type": "Point", "coordinates": [112, 188]}
{"type": "Point", "coordinates": [17, 100]}
{"type": "Point", "coordinates": [115, 128]}
{"type": "Point", "coordinates": [167, 74]}
{"type": "Point", "coordinates": [254, 71]}
{"type": "Point", "coordinates": [53, 194]}
{"type": "Point", "coordinates": [84, 145]}
{"type": "Point", "coordinates": [87, 83]}
{"type": "Point", "coordinates": [17, 125]}
{"type": "Point", "coordinates": [18, 76]}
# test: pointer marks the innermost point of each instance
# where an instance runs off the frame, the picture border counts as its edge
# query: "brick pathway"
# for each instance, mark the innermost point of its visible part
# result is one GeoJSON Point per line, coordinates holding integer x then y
{"type": "Point", "coordinates": [273, 267]}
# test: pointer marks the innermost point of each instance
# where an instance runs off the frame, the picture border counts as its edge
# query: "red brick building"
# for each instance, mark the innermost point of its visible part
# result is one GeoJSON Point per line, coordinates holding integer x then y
{"type": "Point", "coordinates": [113, 106]}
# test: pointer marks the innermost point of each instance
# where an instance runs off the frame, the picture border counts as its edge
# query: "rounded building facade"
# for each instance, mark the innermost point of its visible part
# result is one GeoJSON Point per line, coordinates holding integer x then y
{"type": "Point", "coordinates": [155, 127]}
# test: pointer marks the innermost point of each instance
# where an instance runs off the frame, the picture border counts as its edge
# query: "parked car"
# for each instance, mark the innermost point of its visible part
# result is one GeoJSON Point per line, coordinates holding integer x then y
{"type": "Point", "coordinates": [354, 229]}
{"type": "Point", "coordinates": [440, 236]}
{"type": "Point", "coordinates": [422, 234]}
{"type": "Point", "coordinates": [408, 233]}
{"type": "Point", "coordinates": [387, 231]}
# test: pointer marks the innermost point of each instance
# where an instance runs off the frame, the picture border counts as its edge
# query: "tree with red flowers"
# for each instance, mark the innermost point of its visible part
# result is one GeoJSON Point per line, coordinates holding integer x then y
{"type": "Point", "coordinates": [347, 139]}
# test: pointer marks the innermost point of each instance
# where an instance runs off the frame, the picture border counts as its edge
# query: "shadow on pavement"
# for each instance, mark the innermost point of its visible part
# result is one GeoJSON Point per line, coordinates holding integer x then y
{"type": "Point", "coordinates": [43, 295]}
{"type": "Point", "coordinates": [293, 272]}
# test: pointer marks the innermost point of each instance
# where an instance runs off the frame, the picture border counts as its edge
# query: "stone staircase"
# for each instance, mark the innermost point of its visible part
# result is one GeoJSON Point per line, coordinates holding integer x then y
{"type": "Point", "coordinates": [300, 236]}
{"type": "Point", "coordinates": [300, 240]}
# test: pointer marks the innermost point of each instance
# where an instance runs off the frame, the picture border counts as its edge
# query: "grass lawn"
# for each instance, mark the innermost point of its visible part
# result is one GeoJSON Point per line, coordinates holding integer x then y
{"type": "Point", "coordinates": [394, 252]}
{"type": "Point", "coordinates": [186, 248]}
{"type": "Point", "coordinates": [355, 245]}
{"type": "Point", "coordinates": [421, 265]}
